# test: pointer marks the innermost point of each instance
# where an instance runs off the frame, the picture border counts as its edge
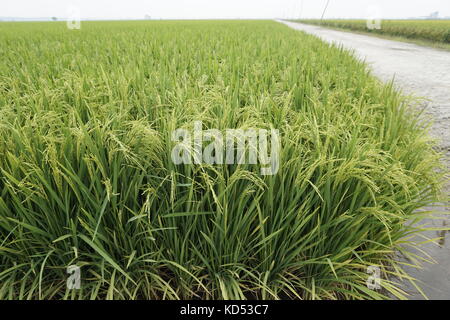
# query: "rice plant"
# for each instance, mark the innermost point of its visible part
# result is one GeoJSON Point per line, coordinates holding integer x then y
{"type": "Point", "coordinates": [437, 31]}
{"type": "Point", "coordinates": [86, 176]}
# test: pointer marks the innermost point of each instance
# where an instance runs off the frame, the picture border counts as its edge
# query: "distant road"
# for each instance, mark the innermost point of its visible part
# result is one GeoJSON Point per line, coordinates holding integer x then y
{"type": "Point", "coordinates": [424, 72]}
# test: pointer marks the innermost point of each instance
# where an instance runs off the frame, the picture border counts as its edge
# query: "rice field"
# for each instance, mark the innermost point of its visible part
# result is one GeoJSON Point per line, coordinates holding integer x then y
{"type": "Point", "coordinates": [87, 179]}
{"type": "Point", "coordinates": [437, 31]}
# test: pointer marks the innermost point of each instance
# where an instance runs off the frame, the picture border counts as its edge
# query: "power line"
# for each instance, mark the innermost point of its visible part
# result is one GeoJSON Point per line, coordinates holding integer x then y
{"type": "Point", "coordinates": [325, 9]}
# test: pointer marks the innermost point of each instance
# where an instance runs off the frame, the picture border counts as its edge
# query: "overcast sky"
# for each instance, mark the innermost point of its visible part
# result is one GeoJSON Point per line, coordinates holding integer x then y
{"type": "Point", "coordinates": [202, 9]}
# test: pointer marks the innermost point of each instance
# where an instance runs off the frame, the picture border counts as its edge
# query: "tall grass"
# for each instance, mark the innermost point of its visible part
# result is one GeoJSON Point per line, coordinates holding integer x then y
{"type": "Point", "coordinates": [86, 176]}
{"type": "Point", "coordinates": [437, 31]}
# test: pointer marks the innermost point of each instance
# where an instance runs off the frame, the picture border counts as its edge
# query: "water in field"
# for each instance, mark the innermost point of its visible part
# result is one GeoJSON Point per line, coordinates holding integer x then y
{"type": "Point", "coordinates": [434, 277]}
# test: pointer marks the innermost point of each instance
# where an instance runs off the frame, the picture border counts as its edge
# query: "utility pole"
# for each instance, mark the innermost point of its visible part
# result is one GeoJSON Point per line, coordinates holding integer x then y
{"type": "Point", "coordinates": [325, 9]}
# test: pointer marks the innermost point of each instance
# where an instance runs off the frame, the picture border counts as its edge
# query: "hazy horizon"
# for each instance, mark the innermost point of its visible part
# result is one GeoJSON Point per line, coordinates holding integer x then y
{"type": "Point", "coordinates": [215, 9]}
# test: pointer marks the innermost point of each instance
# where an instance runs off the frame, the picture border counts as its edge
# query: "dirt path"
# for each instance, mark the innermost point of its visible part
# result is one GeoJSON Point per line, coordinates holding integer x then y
{"type": "Point", "coordinates": [424, 72]}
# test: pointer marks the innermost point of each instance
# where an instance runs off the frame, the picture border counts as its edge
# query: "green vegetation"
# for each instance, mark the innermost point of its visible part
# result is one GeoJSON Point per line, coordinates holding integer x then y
{"type": "Point", "coordinates": [433, 31]}
{"type": "Point", "coordinates": [86, 176]}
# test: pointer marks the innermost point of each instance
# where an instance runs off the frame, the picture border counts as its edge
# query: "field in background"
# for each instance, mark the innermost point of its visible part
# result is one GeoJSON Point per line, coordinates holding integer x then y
{"type": "Point", "coordinates": [86, 176]}
{"type": "Point", "coordinates": [437, 31]}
